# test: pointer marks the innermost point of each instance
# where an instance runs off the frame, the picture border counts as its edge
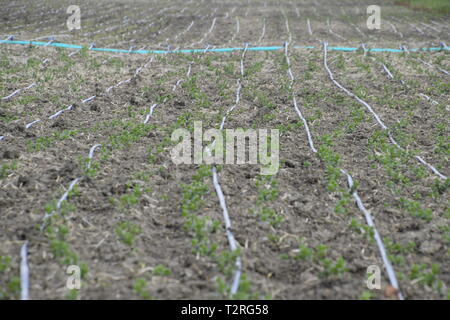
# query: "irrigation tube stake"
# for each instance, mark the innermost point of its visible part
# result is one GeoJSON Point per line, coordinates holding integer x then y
{"type": "Point", "coordinates": [299, 113]}
{"type": "Point", "coordinates": [374, 114]}
{"type": "Point", "coordinates": [24, 272]}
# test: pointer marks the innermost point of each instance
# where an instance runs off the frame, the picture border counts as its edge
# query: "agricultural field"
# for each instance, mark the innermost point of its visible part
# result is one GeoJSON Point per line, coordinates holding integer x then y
{"type": "Point", "coordinates": [88, 180]}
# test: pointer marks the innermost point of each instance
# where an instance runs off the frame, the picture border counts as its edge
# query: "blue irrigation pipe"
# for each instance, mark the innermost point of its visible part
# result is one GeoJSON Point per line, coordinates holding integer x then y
{"type": "Point", "coordinates": [272, 48]}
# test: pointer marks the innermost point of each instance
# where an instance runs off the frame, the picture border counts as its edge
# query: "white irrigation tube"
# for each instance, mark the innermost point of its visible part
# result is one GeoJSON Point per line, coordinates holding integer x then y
{"type": "Point", "coordinates": [118, 84]}
{"type": "Point", "coordinates": [10, 37]}
{"type": "Point", "coordinates": [77, 180]}
{"type": "Point", "coordinates": [374, 114]}
{"type": "Point", "coordinates": [70, 107]}
{"type": "Point", "coordinates": [263, 33]}
{"type": "Point", "coordinates": [405, 49]}
{"type": "Point", "coordinates": [228, 227]}
{"type": "Point", "coordinates": [332, 32]}
{"type": "Point", "coordinates": [238, 27]}
{"type": "Point", "coordinates": [416, 28]}
{"type": "Point", "coordinates": [420, 94]}
{"type": "Point", "coordinates": [230, 236]}
{"type": "Point", "coordinates": [387, 71]}
{"type": "Point", "coordinates": [395, 30]}
{"type": "Point", "coordinates": [185, 31]}
{"type": "Point", "coordinates": [242, 59]}
{"type": "Point", "coordinates": [28, 125]}
{"type": "Point", "coordinates": [428, 98]}
{"type": "Point", "coordinates": [50, 41]}
{"type": "Point", "coordinates": [58, 204]}
{"type": "Point", "coordinates": [24, 273]}
{"type": "Point", "coordinates": [19, 90]}
{"type": "Point", "coordinates": [431, 66]}
{"type": "Point", "coordinates": [390, 270]}
{"type": "Point", "coordinates": [231, 240]}
{"type": "Point", "coordinates": [181, 80]}
{"type": "Point", "coordinates": [364, 49]}
{"type": "Point", "coordinates": [206, 33]}
{"type": "Point", "coordinates": [91, 154]}
{"type": "Point", "coordinates": [309, 26]}
{"type": "Point", "coordinates": [138, 70]}
{"type": "Point", "coordinates": [88, 99]}
{"type": "Point", "coordinates": [299, 113]}
{"type": "Point", "coordinates": [382, 64]}
{"type": "Point", "coordinates": [59, 112]}
{"type": "Point", "coordinates": [147, 118]}
{"type": "Point", "coordinates": [288, 29]}
{"type": "Point", "coordinates": [387, 264]}
{"type": "Point", "coordinates": [71, 186]}
{"type": "Point", "coordinates": [358, 29]}
{"type": "Point", "coordinates": [206, 49]}
{"type": "Point", "coordinates": [212, 25]}
{"type": "Point", "coordinates": [73, 53]}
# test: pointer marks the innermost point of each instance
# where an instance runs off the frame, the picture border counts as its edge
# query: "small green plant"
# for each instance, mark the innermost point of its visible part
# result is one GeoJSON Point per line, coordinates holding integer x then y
{"type": "Point", "coordinates": [363, 229]}
{"type": "Point", "coordinates": [161, 270]}
{"type": "Point", "coordinates": [127, 232]}
{"type": "Point", "coordinates": [415, 209]}
{"type": "Point", "coordinates": [318, 255]}
{"type": "Point", "coordinates": [244, 291]}
{"type": "Point", "coordinates": [73, 294]}
{"type": "Point", "coordinates": [7, 168]}
{"type": "Point", "coordinates": [140, 288]}
{"type": "Point", "coordinates": [427, 275]}
{"type": "Point", "coordinates": [5, 262]}
{"type": "Point", "coordinates": [366, 295]}
{"type": "Point", "coordinates": [268, 192]}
